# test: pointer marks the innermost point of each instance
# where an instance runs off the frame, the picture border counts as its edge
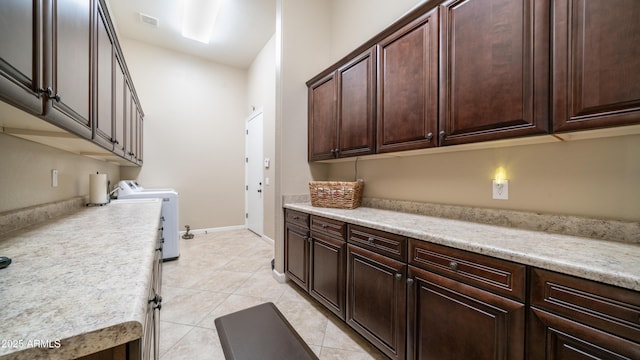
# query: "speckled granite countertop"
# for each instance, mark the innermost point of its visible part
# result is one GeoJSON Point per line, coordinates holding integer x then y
{"type": "Point", "coordinates": [78, 283]}
{"type": "Point", "coordinates": [611, 262]}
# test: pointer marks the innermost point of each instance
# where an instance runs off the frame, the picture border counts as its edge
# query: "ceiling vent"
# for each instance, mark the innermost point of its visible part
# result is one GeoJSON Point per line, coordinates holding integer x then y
{"type": "Point", "coordinates": [149, 20]}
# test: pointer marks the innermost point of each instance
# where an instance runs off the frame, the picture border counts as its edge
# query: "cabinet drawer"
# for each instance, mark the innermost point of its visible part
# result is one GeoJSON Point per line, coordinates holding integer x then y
{"type": "Point", "coordinates": [330, 227]}
{"type": "Point", "coordinates": [609, 308]}
{"type": "Point", "coordinates": [491, 274]}
{"type": "Point", "coordinates": [298, 218]}
{"type": "Point", "coordinates": [391, 245]}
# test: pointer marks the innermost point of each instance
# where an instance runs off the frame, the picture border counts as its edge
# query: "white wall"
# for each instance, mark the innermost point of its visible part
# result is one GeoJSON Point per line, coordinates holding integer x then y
{"type": "Point", "coordinates": [195, 113]}
{"type": "Point", "coordinates": [353, 22]}
{"type": "Point", "coordinates": [25, 173]}
{"type": "Point", "coordinates": [303, 47]}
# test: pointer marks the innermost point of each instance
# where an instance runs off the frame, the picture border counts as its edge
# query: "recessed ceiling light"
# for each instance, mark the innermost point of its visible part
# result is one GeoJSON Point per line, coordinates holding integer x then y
{"type": "Point", "coordinates": [148, 19]}
{"type": "Point", "coordinates": [198, 19]}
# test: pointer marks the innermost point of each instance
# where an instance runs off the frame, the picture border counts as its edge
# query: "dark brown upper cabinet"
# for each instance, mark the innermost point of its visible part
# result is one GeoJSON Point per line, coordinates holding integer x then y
{"type": "Point", "coordinates": [356, 105]}
{"type": "Point", "coordinates": [494, 72]}
{"type": "Point", "coordinates": [129, 118]}
{"type": "Point", "coordinates": [134, 139]}
{"type": "Point", "coordinates": [322, 141]}
{"type": "Point", "coordinates": [68, 68]}
{"type": "Point", "coordinates": [60, 60]}
{"type": "Point", "coordinates": [105, 84]}
{"type": "Point", "coordinates": [121, 100]}
{"type": "Point", "coordinates": [342, 110]}
{"type": "Point", "coordinates": [596, 63]}
{"type": "Point", "coordinates": [20, 55]}
{"type": "Point", "coordinates": [407, 109]}
{"type": "Point", "coordinates": [463, 71]}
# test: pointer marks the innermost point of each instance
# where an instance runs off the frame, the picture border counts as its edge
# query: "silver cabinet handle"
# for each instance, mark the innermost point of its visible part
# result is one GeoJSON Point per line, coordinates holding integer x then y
{"type": "Point", "coordinates": [453, 266]}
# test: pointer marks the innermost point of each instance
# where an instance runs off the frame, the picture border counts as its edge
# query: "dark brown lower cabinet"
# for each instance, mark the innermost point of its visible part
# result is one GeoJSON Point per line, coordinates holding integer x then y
{"type": "Point", "coordinates": [451, 320]}
{"type": "Point", "coordinates": [327, 272]}
{"type": "Point", "coordinates": [573, 318]}
{"type": "Point", "coordinates": [413, 299]}
{"type": "Point", "coordinates": [376, 299]}
{"type": "Point", "coordinates": [316, 260]}
{"type": "Point", "coordinates": [296, 259]}
{"type": "Point", "coordinates": [128, 351]}
{"type": "Point", "coordinates": [558, 338]}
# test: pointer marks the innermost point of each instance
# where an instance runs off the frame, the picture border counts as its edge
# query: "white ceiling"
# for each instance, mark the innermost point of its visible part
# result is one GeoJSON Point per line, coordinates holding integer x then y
{"type": "Point", "coordinates": [242, 29]}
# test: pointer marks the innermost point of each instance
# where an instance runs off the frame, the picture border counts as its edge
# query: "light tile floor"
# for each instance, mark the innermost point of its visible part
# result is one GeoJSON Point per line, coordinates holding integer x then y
{"type": "Point", "coordinates": [222, 272]}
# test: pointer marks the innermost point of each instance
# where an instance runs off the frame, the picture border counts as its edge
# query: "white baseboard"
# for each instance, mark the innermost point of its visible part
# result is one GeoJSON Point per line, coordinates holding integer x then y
{"type": "Point", "coordinates": [281, 278]}
{"type": "Point", "coordinates": [268, 239]}
{"type": "Point", "coordinates": [212, 230]}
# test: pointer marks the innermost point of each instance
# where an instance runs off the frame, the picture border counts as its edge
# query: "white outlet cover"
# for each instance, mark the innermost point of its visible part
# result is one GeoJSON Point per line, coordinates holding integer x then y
{"type": "Point", "coordinates": [501, 192]}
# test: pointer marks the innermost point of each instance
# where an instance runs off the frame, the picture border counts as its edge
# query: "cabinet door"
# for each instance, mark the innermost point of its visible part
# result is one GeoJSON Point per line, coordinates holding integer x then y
{"type": "Point", "coordinates": [588, 316]}
{"type": "Point", "coordinates": [157, 274]}
{"type": "Point", "coordinates": [133, 130]}
{"type": "Point", "coordinates": [327, 272]}
{"type": "Point", "coordinates": [139, 156]}
{"type": "Point", "coordinates": [128, 119]}
{"type": "Point", "coordinates": [68, 67]}
{"type": "Point", "coordinates": [495, 60]}
{"type": "Point", "coordinates": [20, 56]}
{"type": "Point", "coordinates": [596, 63]}
{"type": "Point", "coordinates": [408, 86]}
{"type": "Point", "coordinates": [556, 338]}
{"type": "Point", "coordinates": [322, 130]}
{"type": "Point", "coordinates": [120, 106]}
{"type": "Point", "coordinates": [104, 87]}
{"type": "Point", "coordinates": [356, 106]}
{"type": "Point", "coordinates": [376, 299]}
{"type": "Point", "coordinates": [451, 320]}
{"type": "Point", "coordinates": [296, 255]}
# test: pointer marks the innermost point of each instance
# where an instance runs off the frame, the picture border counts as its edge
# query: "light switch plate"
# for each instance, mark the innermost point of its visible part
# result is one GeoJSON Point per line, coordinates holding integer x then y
{"type": "Point", "coordinates": [501, 191]}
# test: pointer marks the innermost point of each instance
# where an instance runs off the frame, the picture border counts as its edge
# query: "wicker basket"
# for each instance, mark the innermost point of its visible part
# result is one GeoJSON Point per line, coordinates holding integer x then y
{"type": "Point", "coordinates": [336, 194]}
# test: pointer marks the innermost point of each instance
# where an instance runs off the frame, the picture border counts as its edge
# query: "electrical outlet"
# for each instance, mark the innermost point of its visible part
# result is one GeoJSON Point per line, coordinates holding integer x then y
{"type": "Point", "coordinates": [54, 178]}
{"type": "Point", "coordinates": [501, 190]}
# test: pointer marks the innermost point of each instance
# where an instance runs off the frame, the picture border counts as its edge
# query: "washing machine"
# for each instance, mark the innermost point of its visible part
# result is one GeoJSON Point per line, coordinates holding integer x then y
{"type": "Point", "coordinates": [130, 189]}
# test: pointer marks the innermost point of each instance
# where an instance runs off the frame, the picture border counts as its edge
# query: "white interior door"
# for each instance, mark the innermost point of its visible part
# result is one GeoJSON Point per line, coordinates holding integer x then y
{"type": "Point", "coordinates": [254, 174]}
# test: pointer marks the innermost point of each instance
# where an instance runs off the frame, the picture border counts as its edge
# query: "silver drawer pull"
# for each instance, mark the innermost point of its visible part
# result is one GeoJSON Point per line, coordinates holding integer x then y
{"type": "Point", "coordinates": [453, 266]}
{"type": "Point", "coordinates": [370, 240]}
